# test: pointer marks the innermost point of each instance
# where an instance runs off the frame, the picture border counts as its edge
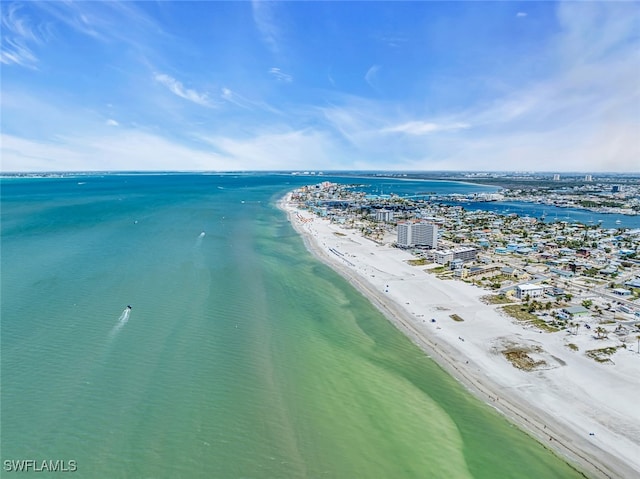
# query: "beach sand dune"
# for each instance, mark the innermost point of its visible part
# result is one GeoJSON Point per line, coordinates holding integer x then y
{"type": "Point", "coordinates": [583, 409]}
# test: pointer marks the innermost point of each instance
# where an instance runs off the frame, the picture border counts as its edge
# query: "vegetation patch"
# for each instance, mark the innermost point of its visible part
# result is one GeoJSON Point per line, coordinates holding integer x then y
{"type": "Point", "coordinates": [417, 262]}
{"type": "Point", "coordinates": [602, 355]}
{"type": "Point", "coordinates": [520, 313]}
{"type": "Point", "coordinates": [496, 299]}
{"type": "Point", "coordinates": [436, 270]}
{"type": "Point", "coordinates": [455, 317]}
{"type": "Point", "coordinates": [573, 347]}
{"type": "Point", "coordinates": [543, 325]}
{"type": "Point", "coordinates": [339, 234]}
{"type": "Point", "coordinates": [519, 358]}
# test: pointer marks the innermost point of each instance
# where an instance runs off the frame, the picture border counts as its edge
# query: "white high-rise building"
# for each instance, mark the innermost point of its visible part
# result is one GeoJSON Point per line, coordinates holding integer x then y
{"type": "Point", "coordinates": [418, 234]}
{"type": "Point", "coordinates": [425, 234]}
{"type": "Point", "coordinates": [404, 234]}
{"type": "Point", "coordinates": [384, 215]}
{"type": "Point", "coordinates": [556, 177]}
{"type": "Point", "coordinates": [588, 178]}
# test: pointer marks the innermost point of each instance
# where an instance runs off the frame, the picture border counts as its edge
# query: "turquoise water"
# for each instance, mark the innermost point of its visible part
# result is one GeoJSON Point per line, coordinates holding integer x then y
{"type": "Point", "coordinates": [242, 356]}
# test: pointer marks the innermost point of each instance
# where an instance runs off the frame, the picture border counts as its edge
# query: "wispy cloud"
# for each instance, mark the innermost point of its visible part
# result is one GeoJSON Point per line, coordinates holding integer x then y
{"type": "Point", "coordinates": [370, 76]}
{"type": "Point", "coordinates": [576, 109]}
{"type": "Point", "coordinates": [20, 36]}
{"type": "Point", "coordinates": [118, 150]}
{"type": "Point", "coordinates": [241, 101]}
{"type": "Point", "coordinates": [177, 88]}
{"type": "Point", "coordinates": [424, 128]}
{"type": "Point", "coordinates": [264, 19]}
{"type": "Point", "coordinates": [104, 21]}
{"type": "Point", "coordinates": [330, 78]}
{"type": "Point", "coordinates": [394, 41]}
{"type": "Point", "coordinates": [280, 75]}
{"type": "Point", "coordinates": [284, 148]}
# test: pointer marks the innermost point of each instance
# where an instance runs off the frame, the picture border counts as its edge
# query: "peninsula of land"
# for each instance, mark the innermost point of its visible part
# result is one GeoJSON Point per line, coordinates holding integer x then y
{"type": "Point", "coordinates": [540, 378]}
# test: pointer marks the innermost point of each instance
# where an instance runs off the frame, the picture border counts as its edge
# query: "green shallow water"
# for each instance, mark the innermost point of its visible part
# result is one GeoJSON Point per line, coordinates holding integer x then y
{"type": "Point", "coordinates": [243, 356]}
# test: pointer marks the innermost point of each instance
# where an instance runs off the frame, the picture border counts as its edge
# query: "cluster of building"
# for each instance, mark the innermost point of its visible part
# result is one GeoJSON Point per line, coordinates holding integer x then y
{"type": "Point", "coordinates": [597, 197]}
{"type": "Point", "coordinates": [521, 257]}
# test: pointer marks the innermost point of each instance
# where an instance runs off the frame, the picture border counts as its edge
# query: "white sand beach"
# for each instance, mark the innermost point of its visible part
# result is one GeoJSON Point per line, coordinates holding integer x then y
{"type": "Point", "coordinates": [583, 409]}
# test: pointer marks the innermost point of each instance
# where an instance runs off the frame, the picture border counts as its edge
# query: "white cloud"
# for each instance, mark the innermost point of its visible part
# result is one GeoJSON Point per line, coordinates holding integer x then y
{"type": "Point", "coordinates": [370, 76]}
{"type": "Point", "coordinates": [521, 14]}
{"type": "Point", "coordinates": [264, 19]}
{"type": "Point", "coordinates": [580, 115]}
{"type": "Point", "coordinates": [235, 98]}
{"type": "Point", "coordinates": [280, 75]}
{"type": "Point", "coordinates": [19, 37]}
{"type": "Point", "coordinates": [239, 100]}
{"type": "Point", "coordinates": [118, 150]}
{"type": "Point", "coordinates": [424, 128]}
{"type": "Point", "coordinates": [394, 41]}
{"type": "Point", "coordinates": [105, 21]}
{"type": "Point", "coordinates": [177, 88]}
{"type": "Point", "coordinates": [330, 78]}
{"type": "Point", "coordinates": [227, 94]}
{"type": "Point", "coordinates": [280, 150]}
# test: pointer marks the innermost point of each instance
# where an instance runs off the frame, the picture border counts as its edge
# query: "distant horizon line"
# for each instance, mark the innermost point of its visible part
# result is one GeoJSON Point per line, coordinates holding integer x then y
{"type": "Point", "coordinates": [311, 172]}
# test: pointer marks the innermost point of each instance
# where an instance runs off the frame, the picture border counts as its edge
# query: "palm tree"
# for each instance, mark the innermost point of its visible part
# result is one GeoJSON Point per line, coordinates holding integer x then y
{"type": "Point", "coordinates": [601, 332]}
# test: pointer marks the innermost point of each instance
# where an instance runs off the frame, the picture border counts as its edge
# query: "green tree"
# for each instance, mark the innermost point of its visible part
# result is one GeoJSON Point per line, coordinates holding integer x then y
{"type": "Point", "coordinates": [601, 332]}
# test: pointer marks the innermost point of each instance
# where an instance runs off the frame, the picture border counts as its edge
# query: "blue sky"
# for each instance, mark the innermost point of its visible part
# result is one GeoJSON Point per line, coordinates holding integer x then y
{"type": "Point", "coordinates": [530, 86]}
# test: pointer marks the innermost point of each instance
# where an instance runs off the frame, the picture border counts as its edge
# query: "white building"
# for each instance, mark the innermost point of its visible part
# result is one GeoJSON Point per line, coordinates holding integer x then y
{"type": "Point", "coordinates": [384, 215]}
{"type": "Point", "coordinates": [417, 234]}
{"type": "Point", "coordinates": [404, 234]}
{"type": "Point", "coordinates": [531, 290]}
{"type": "Point", "coordinates": [463, 253]}
{"type": "Point", "coordinates": [444, 256]}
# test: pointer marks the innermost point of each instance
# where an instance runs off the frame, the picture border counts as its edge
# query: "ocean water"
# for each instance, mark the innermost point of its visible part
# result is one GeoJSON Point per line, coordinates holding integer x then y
{"type": "Point", "coordinates": [242, 355]}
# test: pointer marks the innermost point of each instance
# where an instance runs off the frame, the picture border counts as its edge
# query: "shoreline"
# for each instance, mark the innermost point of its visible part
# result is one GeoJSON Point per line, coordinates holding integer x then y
{"type": "Point", "coordinates": [395, 290]}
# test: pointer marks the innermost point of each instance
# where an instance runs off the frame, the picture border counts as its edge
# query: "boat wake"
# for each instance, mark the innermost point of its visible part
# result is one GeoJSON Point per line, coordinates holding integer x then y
{"type": "Point", "coordinates": [122, 320]}
{"type": "Point", "coordinates": [199, 239]}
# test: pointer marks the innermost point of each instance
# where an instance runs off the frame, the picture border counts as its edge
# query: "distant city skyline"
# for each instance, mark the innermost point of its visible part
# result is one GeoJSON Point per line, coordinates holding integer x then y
{"type": "Point", "coordinates": [473, 86]}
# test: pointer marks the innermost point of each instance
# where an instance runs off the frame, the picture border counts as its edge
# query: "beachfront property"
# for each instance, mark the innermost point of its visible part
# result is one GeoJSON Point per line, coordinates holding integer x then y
{"type": "Point", "coordinates": [465, 254]}
{"type": "Point", "coordinates": [487, 271]}
{"type": "Point", "coordinates": [417, 234]}
{"type": "Point", "coordinates": [584, 261]}
{"type": "Point", "coordinates": [531, 291]}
